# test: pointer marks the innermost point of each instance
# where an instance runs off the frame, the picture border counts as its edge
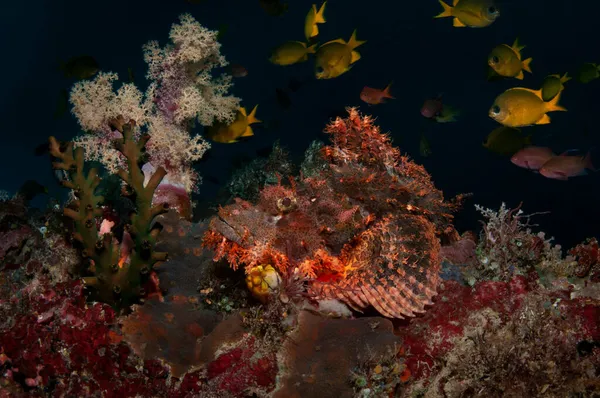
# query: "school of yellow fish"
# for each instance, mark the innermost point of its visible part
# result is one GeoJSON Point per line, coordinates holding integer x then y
{"type": "Point", "coordinates": [515, 108]}
{"type": "Point", "coordinates": [332, 58]}
{"type": "Point", "coordinates": [520, 106]}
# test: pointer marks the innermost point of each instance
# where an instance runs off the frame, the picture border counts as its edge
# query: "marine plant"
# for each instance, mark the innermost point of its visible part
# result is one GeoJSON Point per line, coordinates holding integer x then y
{"type": "Point", "coordinates": [119, 269]}
{"type": "Point", "coordinates": [361, 230]}
{"type": "Point", "coordinates": [508, 246]}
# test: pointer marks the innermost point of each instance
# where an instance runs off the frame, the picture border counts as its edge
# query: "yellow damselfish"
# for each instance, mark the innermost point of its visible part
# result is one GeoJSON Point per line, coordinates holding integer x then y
{"type": "Point", "coordinates": [588, 72]}
{"type": "Point", "coordinates": [335, 57]}
{"type": "Point", "coordinates": [291, 52]}
{"type": "Point", "coordinates": [506, 61]}
{"type": "Point", "coordinates": [506, 141]}
{"type": "Point", "coordinates": [313, 18]}
{"type": "Point", "coordinates": [471, 13]}
{"type": "Point", "coordinates": [518, 107]}
{"type": "Point", "coordinates": [229, 133]}
{"type": "Point", "coordinates": [553, 85]}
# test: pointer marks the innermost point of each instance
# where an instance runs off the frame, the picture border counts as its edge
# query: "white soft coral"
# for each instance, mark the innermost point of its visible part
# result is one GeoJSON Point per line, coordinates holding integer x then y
{"type": "Point", "coordinates": [95, 102]}
{"type": "Point", "coordinates": [182, 89]}
{"type": "Point", "coordinates": [174, 149]}
{"type": "Point", "coordinates": [195, 43]}
{"type": "Point", "coordinates": [183, 69]}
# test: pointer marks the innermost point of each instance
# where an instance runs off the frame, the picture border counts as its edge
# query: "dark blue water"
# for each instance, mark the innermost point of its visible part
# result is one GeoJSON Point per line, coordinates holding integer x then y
{"type": "Point", "coordinates": [423, 56]}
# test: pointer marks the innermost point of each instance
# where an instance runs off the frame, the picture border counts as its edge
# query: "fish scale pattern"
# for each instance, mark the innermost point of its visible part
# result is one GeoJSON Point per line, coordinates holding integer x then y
{"type": "Point", "coordinates": [363, 230]}
{"type": "Point", "coordinates": [395, 268]}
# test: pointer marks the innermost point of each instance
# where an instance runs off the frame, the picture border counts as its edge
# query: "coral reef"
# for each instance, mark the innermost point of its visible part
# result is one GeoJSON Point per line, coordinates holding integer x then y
{"type": "Point", "coordinates": [587, 256]}
{"type": "Point", "coordinates": [525, 350]}
{"type": "Point", "coordinates": [363, 230]}
{"type": "Point", "coordinates": [53, 343]}
{"type": "Point", "coordinates": [504, 339]}
{"type": "Point", "coordinates": [243, 369]}
{"type": "Point", "coordinates": [362, 226]}
{"type": "Point", "coordinates": [512, 319]}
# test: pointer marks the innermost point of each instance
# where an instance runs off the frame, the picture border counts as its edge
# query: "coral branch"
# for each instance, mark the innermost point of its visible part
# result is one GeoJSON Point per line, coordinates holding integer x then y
{"type": "Point", "coordinates": [116, 281]}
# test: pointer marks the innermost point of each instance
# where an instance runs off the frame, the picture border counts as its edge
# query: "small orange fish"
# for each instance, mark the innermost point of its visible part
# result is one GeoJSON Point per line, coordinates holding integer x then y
{"type": "Point", "coordinates": [374, 96]}
{"type": "Point", "coordinates": [432, 107]}
{"type": "Point", "coordinates": [564, 166]}
{"type": "Point", "coordinates": [532, 158]}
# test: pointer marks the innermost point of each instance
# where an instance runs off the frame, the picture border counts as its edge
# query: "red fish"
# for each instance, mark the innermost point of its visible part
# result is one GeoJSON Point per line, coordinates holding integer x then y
{"type": "Point", "coordinates": [432, 107]}
{"type": "Point", "coordinates": [564, 166]}
{"type": "Point", "coordinates": [238, 70]}
{"type": "Point", "coordinates": [374, 96]}
{"type": "Point", "coordinates": [532, 157]}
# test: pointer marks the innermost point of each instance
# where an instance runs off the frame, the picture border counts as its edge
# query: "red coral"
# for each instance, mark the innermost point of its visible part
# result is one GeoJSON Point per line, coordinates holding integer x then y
{"type": "Point", "coordinates": [588, 257]}
{"type": "Point", "coordinates": [431, 336]}
{"type": "Point", "coordinates": [363, 230]}
{"type": "Point", "coordinates": [54, 344]}
{"type": "Point", "coordinates": [465, 317]}
{"type": "Point", "coordinates": [241, 367]}
{"type": "Point", "coordinates": [58, 336]}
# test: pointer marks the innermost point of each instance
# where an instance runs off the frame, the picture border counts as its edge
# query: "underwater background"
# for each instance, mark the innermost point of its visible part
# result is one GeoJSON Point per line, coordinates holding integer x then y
{"type": "Point", "coordinates": [415, 264]}
{"type": "Point", "coordinates": [423, 56]}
